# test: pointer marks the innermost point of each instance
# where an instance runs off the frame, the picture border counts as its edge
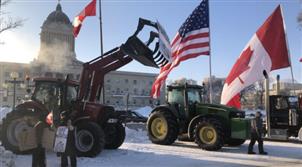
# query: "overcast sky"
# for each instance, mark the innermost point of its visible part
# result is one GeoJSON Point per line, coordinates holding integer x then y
{"type": "Point", "coordinates": [233, 22]}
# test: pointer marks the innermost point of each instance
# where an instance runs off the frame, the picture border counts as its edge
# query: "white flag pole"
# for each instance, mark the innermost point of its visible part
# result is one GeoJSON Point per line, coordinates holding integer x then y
{"type": "Point", "coordinates": [210, 58]}
{"type": "Point", "coordinates": [288, 50]}
{"type": "Point", "coordinates": [101, 45]}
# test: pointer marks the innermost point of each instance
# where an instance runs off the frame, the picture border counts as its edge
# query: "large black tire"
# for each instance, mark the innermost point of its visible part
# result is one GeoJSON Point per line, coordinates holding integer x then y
{"type": "Point", "coordinates": [209, 134]}
{"type": "Point", "coordinates": [235, 142]}
{"type": "Point", "coordinates": [169, 127]}
{"type": "Point", "coordinates": [90, 139]}
{"type": "Point", "coordinates": [15, 122]}
{"type": "Point", "coordinates": [115, 135]}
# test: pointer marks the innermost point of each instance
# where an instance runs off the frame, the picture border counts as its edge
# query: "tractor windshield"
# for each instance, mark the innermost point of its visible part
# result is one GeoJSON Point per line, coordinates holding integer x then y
{"type": "Point", "coordinates": [71, 94]}
{"type": "Point", "coordinates": [47, 93]}
{"type": "Point", "coordinates": [194, 96]}
{"type": "Point", "coordinates": [176, 96]}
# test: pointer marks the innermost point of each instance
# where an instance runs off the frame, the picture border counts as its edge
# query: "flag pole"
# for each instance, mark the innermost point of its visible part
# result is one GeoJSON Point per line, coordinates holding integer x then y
{"type": "Point", "coordinates": [101, 27]}
{"type": "Point", "coordinates": [288, 50]}
{"type": "Point", "coordinates": [101, 45]}
{"type": "Point", "coordinates": [210, 59]}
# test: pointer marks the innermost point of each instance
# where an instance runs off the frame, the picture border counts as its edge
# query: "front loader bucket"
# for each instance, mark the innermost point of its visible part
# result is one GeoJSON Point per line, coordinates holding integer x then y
{"type": "Point", "coordinates": [140, 51]}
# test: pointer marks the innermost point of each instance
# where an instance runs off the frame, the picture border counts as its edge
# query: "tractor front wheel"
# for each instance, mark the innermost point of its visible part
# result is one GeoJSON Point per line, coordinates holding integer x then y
{"type": "Point", "coordinates": [209, 135]}
{"type": "Point", "coordinates": [162, 127]}
{"type": "Point", "coordinates": [115, 135]}
{"type": "Point", "coordinates": [90, 139]}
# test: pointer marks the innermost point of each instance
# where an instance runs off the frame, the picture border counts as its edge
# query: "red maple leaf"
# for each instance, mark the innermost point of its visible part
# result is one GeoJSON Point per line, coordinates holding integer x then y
{"type": "Point", "coordinates": [241, 65]}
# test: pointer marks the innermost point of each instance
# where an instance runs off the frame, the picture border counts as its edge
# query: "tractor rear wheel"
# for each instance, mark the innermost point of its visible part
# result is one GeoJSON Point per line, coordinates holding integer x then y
{"type": "Point", "coordinates": [235, 142]}
{"type": "Point", "coordinates": [90, 139]}
{"type": "Point", "coordinates": [162, 127]}
{"type": "Point", "coordinates": [15, 122]}
{"type": "Point", "coordinates": [209, 134]}
{"type": "Point", "coordinates": [115, 135]}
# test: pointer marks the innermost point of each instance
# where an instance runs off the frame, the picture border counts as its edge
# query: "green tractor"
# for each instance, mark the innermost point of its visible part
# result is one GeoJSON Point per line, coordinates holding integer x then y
{"type": "Point", "coordinates": [211, 126]}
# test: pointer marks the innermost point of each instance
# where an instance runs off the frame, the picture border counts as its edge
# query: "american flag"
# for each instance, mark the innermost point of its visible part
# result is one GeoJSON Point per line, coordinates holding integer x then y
{"type": "Point", "coordinates": [191, 40]}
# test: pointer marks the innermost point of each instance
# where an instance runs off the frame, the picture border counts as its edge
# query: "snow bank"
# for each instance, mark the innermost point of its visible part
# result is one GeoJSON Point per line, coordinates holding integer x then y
{"type": "Point", "coordinates": [3, 112]}
{"type": "Point", "coordinates": [145, 111]}
{"type": "Point", "coordinates": [7, 158]}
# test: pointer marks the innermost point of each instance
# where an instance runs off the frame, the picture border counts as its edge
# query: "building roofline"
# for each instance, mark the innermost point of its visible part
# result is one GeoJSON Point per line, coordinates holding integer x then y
{"type": "Point", "coordinates": [7, 62]}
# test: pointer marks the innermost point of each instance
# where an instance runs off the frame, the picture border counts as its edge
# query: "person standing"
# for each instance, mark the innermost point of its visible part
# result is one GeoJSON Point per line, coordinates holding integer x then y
{"type": "Point", "coordinates": [256, 134]}
{"type": "Point", "coordinates": [38, 154]}
{"type": "Point", "coordinates": [70, 150]}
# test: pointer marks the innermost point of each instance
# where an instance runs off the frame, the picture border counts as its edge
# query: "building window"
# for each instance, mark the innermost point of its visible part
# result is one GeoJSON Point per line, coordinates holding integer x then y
{"type": "Point", "coordinates": [118, 91]}
{"type": "Point", "coordinates": [108, 101]}
{"type": "Point", "coordinates": [126, 81]}
{"type": "Point", "coordinates": [78, 77]}
{"type": "Point", "coordinates": [108, 80]}
{"type": "Point", "coordinates": [70, 76]}
{"type": "Point", "coordinates": [134, 91]}
{"type": "Point", "coordinates": [5, 99]}
{"type": "Point", "coordinates": [134, 101]}
{"type": "Point", "coordinates": [20, 75]}
{"type": "Point", "coordinates": [134, 82]}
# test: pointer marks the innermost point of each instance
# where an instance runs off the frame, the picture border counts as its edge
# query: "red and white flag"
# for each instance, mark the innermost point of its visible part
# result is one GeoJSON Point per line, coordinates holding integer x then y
{"type": "Point", "coordinates": [191, 40]}
{"type": "Point", "coordinates": [267, 50]}
{"type": "Point", "coordinates": [90, 10]}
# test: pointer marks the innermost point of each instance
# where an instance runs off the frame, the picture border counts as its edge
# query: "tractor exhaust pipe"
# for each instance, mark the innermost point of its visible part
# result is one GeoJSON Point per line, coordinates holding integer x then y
{"type": "Point", "coordinates": [267, 107]}
{"type": "Point", "coordinates": [278, 85]}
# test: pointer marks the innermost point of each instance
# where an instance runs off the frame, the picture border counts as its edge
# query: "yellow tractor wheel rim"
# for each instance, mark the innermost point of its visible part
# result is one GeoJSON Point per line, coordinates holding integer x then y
{"type": "Point", "coordinates": [208, 135]}
{"type": "Point", "coordinates": [159, 128]}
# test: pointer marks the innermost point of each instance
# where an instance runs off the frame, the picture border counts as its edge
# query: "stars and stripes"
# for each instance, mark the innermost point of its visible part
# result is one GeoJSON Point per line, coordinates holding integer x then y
{"type": "Point", "coordinates": [191, 40]}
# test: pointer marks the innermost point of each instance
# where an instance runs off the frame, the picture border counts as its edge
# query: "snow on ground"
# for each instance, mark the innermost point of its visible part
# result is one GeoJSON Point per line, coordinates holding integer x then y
{"type": "Point", "coordinates": [3, 112]}
{"type": "Point", "coordinates": [7, 158]}
{"type": "Point", "coordinates": [138, 151]}
{"type": "Point", "coordinates": [145, 111]}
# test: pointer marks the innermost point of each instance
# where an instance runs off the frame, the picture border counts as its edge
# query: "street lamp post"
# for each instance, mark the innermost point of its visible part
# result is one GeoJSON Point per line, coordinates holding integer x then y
{"type": "Point", "coordinates": [14, 76]}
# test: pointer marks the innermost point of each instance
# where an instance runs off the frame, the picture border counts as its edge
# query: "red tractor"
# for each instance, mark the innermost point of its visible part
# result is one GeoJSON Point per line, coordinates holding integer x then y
{"type": "Point", "coordinates": [97, 126]}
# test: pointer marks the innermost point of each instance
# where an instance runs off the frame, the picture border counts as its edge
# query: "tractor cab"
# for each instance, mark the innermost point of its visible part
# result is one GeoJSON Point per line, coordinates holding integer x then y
{"type": "Point", "coordinates": [285, 116]}
{"type": "Point", "coordinates": [184, 98]}
{"type": "Point", "coordinates": [55, 94]}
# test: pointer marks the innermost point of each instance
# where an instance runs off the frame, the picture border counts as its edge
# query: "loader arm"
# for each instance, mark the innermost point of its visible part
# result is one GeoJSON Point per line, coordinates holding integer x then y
{"type": "Point", "coordinates": [94, 71]}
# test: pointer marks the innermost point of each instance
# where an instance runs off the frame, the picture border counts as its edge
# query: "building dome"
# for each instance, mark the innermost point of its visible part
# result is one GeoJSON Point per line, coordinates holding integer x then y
{"type": "Point", "coordinates": [57, 16]}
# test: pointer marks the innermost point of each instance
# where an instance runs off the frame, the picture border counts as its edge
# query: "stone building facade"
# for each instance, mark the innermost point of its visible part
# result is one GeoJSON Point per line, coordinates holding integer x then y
{"type": "Point", "coordinates": [137, 86]}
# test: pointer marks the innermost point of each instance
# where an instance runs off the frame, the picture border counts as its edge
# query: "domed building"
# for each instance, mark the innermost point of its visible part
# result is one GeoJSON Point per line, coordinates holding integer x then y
{"type": "Point", "coordinates": [56, 57]}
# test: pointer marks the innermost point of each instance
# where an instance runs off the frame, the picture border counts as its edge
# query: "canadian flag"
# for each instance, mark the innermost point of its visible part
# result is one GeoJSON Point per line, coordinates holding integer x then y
{"type": "Point", "coordinates": [90, 10]}
{"type": "Point", "coordinates": [266, 51]}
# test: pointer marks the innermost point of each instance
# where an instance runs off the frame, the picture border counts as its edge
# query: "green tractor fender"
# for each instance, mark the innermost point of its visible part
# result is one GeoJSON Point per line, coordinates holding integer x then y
{"type": "Point", "coordinates": [197, 118]}
{"type": "Point", "coordinates": [168, 108]}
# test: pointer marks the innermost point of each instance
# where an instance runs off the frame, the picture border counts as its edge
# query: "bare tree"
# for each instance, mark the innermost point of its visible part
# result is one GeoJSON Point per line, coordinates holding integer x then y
{"type": "Point", "coordinates": [6, 21]}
